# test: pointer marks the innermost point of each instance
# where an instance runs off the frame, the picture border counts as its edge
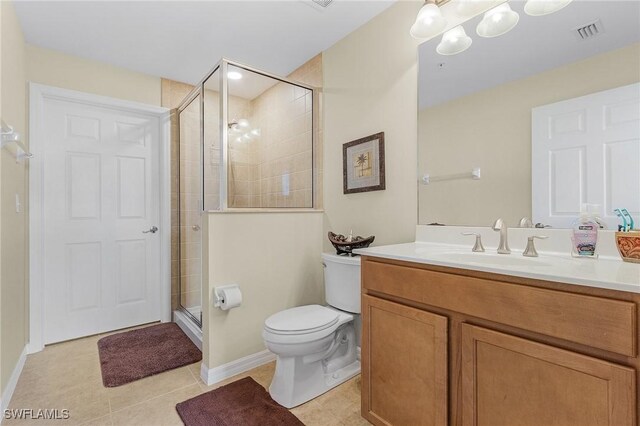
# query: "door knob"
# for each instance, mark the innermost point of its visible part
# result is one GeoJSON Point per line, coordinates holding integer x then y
{"type": "Point", "coordinates": [195, 227]}
{"type": "Point", "coordinates": [153, 230]}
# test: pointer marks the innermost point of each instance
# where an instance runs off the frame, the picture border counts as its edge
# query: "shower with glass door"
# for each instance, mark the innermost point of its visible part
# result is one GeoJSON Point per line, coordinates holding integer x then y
{"type": "Point", "coordinates": [246, 141]}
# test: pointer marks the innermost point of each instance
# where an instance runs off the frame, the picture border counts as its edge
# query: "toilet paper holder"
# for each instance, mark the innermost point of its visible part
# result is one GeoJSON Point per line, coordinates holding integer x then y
{"type": "Point", "coordinates": [219, 295]}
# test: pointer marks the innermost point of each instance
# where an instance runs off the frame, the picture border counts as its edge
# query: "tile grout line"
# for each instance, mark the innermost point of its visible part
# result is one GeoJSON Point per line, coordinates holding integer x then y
{"type": "Point", "coordinates": [197, 379]}
{"type": "Point", "coordinates": [151, 399]}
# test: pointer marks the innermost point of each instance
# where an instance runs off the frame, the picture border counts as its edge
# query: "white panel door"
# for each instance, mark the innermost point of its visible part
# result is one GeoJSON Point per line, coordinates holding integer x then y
{"type": "Point", "coordinates": [101, 191]}
{"type": "Point", "coordinates": [586, 150]}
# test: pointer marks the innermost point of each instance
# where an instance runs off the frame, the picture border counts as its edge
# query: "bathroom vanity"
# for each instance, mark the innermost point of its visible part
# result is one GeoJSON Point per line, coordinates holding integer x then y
{"type": "Point", "coordinates": [447, 342]}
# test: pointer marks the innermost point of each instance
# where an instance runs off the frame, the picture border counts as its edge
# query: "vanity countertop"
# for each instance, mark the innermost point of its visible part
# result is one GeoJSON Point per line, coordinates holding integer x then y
{"type": "Point", "coordinates": [606, 273]}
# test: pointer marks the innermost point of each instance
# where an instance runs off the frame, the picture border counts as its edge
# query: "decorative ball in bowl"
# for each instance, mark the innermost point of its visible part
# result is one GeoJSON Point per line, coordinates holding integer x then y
{"type": "Point", "coordinates": [629, 245]}
{"type": "Point", "coordinates": [344, 245]}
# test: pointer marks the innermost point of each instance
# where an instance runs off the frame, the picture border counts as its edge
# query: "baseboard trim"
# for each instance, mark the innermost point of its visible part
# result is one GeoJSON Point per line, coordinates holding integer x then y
{"type": "Point", "coordinates": [217, 374]}
{"type": "Point", "coordinates": [13, 382]}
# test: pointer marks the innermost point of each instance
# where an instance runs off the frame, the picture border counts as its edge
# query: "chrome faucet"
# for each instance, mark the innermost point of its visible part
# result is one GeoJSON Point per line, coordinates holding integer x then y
{"type": "Point", "coordinates": [503, 247]}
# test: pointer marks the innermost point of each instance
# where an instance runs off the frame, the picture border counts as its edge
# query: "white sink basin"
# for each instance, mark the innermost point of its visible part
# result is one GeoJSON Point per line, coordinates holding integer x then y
{"type": "Point", "coordinates": [514, 259]}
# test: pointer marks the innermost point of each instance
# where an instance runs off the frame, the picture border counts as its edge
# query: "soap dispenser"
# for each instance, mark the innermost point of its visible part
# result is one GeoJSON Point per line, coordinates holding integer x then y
{"type": "Point", "coordinates": [585, 233]}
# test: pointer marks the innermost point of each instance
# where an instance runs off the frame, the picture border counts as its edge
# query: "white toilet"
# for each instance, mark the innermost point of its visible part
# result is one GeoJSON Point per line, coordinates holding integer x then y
{"type": "Point", "coordinates": [316, 345]}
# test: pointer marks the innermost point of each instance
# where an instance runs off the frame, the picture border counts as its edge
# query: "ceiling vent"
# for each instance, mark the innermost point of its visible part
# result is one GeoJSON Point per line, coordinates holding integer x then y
{"type": "Point", "coordinates": [323, 3]}
{"type": "Point", "coordinates": [589, 31]}
{"type": "Point", "coordinates": [319, 5]}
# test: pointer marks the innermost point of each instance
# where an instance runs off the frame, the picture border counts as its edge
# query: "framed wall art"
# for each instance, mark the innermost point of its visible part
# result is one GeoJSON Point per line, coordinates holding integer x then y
{"type": "Point", "coordinates": [363, 164]}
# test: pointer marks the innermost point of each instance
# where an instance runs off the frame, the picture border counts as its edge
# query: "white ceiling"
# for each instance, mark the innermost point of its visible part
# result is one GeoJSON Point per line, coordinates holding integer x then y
{"type": "Point", "coordinates": [183, 40]}
{"type": "Point", "coordinates": [536, 44]}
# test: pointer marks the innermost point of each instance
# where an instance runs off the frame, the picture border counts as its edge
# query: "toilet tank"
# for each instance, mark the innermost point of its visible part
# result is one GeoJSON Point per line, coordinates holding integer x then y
{"type": "Point", "coordinates": [342, 282]}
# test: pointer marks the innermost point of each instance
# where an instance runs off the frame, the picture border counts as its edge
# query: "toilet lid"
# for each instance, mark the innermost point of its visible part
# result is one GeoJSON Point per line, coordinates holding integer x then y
{"type": "Point", "coordinates": [302, 320]}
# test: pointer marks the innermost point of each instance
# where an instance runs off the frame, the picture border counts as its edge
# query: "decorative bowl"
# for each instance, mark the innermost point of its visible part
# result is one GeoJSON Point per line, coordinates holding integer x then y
{"type": "Point", "coordinates": [629, 245]}
{"type": "Point", "coordinates": [346, 247]}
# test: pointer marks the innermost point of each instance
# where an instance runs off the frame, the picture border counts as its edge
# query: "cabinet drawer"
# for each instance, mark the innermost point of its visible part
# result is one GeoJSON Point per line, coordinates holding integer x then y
{"type": "Point", "coordinates": [593, 321]}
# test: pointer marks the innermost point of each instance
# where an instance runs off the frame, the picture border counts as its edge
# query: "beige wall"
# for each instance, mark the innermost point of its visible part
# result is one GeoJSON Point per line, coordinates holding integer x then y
{"type": "Point", "coordinates": [58, 69]}
{"type": "Point", "coordinates": [275, 259]}
{"type": "Point", "coordinates": [13, 180]}
{"type": "Point", "coordinates": [491, 129]}
{"type": "Point", "coordinates": [370, 86]}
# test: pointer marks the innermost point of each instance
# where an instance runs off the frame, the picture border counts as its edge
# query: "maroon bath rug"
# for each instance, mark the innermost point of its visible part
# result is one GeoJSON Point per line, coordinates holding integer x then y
{"type": "Point", "coordinates": [132, 355]}
{"type": "Point", "coordinates": [241, 403]}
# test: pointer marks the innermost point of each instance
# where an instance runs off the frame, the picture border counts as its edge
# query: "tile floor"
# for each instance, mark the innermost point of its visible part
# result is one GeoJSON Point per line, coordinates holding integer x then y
{"type": "Point", "coordinates": [67, 376]}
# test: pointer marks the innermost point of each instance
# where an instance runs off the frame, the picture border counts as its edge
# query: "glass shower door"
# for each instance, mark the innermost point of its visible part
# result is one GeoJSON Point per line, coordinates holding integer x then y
{"type": "Point", "coordinates": [190, 210]}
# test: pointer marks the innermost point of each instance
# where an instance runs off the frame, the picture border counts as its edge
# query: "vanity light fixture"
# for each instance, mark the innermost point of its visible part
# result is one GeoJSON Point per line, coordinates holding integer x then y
{"type": "Point", "coordinates": [234, 75]}
{"type": "Point", "coordinates": [454, 41]}
{"type": "Point", "coordinates": [429, 21]}
{"type": "Point", "coordinates": [498, 21]}
{"type": "Point", "coordinates": [544, 7]}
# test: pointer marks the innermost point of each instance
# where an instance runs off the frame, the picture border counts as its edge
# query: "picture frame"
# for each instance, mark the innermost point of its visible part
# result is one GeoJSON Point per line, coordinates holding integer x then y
{"type": "Point", "coordinates": [363, 164]}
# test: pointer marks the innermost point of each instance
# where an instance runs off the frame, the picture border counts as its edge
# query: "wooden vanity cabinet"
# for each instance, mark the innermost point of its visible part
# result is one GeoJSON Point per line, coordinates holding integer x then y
{"type": "Point", "coordinates": [449, 346]}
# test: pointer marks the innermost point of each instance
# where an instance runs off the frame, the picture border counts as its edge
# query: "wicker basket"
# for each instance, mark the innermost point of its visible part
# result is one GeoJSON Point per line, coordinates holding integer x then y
{"type": "Point", "coordinates": [628, 244]}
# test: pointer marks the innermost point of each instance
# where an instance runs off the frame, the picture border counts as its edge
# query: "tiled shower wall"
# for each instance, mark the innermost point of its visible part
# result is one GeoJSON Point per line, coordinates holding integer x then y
{"type": "Point", "coordinates": [275, 169]}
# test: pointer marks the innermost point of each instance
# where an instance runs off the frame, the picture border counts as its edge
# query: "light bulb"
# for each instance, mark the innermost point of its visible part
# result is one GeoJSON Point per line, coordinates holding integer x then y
{"type": "Point", "coordinates": [454, 41]}
{"type": "Point", "coordinates": [429, 22]}
{"type": "Point", "coordinates": [234, 75]}
{"type": "Point", "coordinates": [544, 7]}
{"type": "Point", "coordinates": [498, 21]}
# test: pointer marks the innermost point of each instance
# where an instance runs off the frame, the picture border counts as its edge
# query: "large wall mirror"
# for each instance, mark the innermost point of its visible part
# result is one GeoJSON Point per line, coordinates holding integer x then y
{"type": "Point", "coordinates": [547, 114]}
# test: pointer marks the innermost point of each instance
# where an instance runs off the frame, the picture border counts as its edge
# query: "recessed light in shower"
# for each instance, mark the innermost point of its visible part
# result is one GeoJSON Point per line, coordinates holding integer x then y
{"type": "Point", "coordinates": [234, 75]}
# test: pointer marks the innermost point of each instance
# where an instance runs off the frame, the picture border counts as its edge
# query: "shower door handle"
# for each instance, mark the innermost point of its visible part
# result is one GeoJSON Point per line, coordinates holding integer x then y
{"type": "Point", "coordinates": [153, 230]}
{"type": "Point", "coordinates": [196, 227]}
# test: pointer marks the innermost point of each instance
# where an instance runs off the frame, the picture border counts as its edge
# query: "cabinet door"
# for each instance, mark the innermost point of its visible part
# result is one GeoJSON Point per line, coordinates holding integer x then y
{"type": "Point", "coordinates": [511, 381]}
{"type": "Point", "coordinates": [404, 364]}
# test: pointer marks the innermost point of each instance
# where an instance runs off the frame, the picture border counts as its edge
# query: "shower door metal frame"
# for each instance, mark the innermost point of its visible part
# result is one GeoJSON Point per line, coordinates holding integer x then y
{"type": "Point", "coordinates": [223, 205]}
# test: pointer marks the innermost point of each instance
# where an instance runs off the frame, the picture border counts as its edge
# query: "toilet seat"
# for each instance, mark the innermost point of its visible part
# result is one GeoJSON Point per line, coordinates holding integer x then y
{"type": "Point", "coordinates": [303, 324]}
{"type": "Point", "coordinates": [302, 320]}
